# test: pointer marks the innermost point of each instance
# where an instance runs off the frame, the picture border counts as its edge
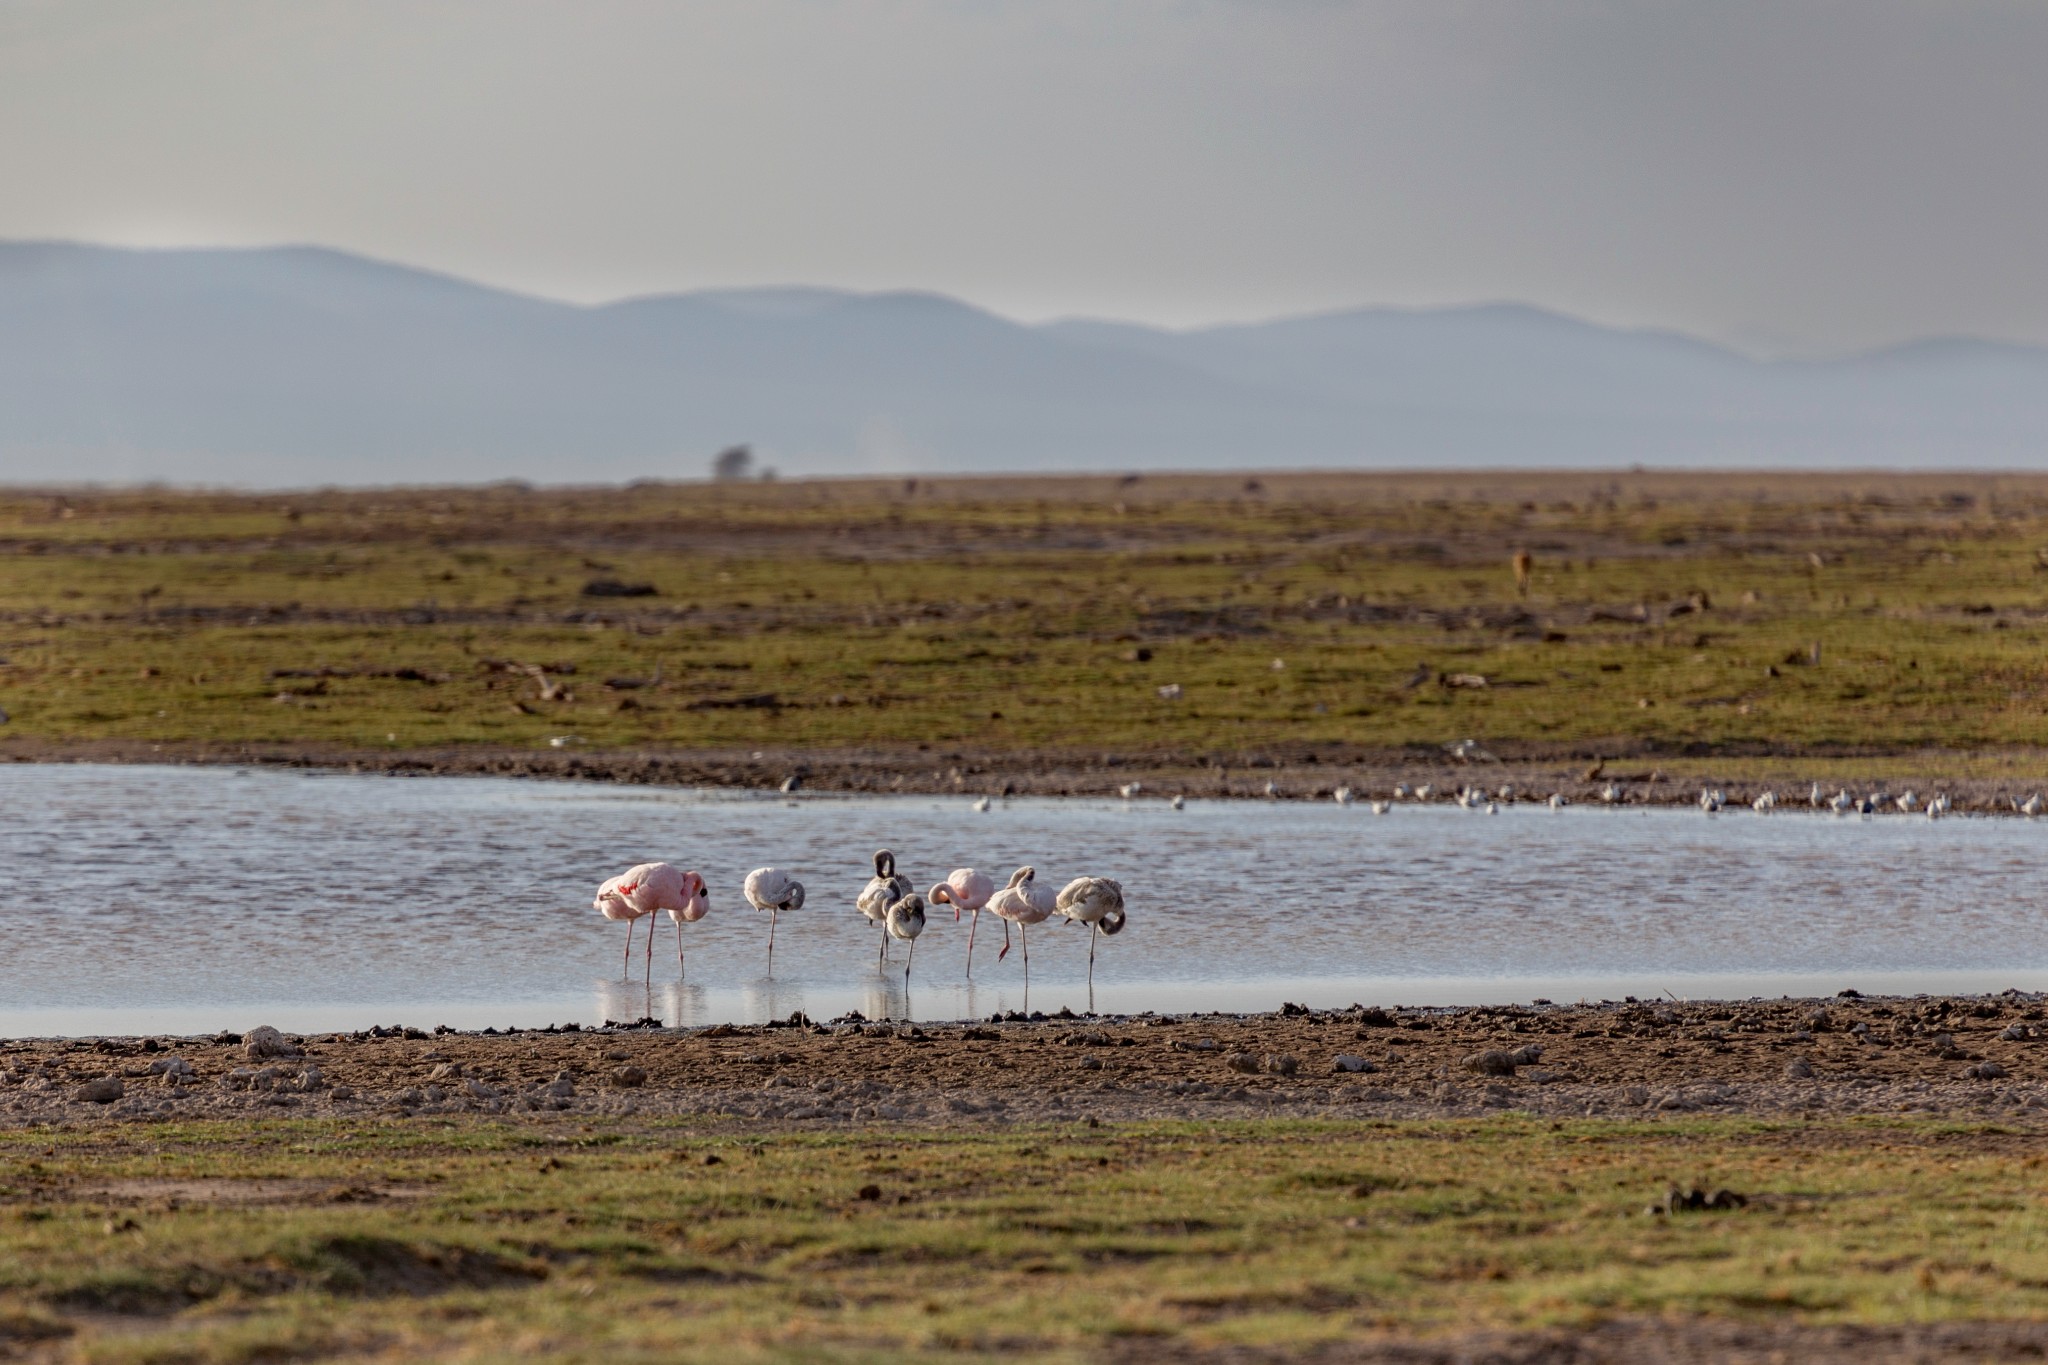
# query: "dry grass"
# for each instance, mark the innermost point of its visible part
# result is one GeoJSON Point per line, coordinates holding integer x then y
{"type": "Point", "coordinates": [1667, 614]}
{"type": "Point", "coordinates": [475, 1239]}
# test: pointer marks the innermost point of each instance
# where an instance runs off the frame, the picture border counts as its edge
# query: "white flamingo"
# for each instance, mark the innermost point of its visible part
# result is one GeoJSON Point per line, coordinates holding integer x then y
{"type": "Point", "coordinates": [883, 890]}
{"type": "Point", "coordinates": [1023, 903]}
{"type": "Point", "coordinates": [773, 890]}
{"type": "Point", "coordinates": [964, 889]}
{"type": "Point", "coordinates": [905, 921]}
{"type": "Point", "coordinates": [1097, 902]}
{"type": "Point", "coordinates": [1814, 798]}
{"type": "Point", "coordinates": [1765, 803]}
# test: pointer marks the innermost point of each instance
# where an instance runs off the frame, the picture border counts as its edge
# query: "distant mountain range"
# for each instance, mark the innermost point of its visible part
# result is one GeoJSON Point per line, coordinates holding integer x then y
{"type": "Point", "coordinates": [297, 365]}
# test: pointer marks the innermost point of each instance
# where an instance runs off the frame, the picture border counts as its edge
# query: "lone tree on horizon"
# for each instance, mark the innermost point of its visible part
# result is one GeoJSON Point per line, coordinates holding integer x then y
{"type": "Point", "coordinates": [734, 462]}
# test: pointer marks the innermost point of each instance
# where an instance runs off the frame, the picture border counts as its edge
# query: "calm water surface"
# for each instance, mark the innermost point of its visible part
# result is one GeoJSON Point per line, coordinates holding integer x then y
{"type": "Point", "coordinates": [186, 899]}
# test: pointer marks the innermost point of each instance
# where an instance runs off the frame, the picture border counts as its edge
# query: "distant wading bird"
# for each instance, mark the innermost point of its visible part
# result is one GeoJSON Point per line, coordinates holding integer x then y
{"type": "Point", "coordinates": [964, 889]}
{"type": "Point", "coordinates": [1022, 903]}
{"type": "Point", "coordinates": [1097, 902]}
{"type": "Point", "coordinates": [883, 890]}
{"type": "Point", "coordinates": [773, 890]}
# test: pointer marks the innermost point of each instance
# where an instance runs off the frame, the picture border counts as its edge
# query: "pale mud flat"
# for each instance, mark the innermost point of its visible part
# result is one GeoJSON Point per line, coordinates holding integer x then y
{"type": "Point", "coordinates": [1961, 1056]}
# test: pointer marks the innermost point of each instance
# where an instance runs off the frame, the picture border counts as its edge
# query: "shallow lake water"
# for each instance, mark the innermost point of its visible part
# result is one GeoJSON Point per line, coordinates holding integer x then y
{"type": "Point", "coordinates": [190, 899]}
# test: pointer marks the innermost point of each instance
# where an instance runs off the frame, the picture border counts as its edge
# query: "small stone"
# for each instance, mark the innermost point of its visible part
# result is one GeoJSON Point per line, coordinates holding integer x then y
{"type": "Point", "coordinates": [1983, 1071]}
{"type": "Point", "coordinates": [435, 1094]}
{"type": "Point", "coordinates": [870, 1193]}
{"type": "Point", "coordinates": [619, 1054]}
{"type": "Point", "coordinates": [446, 1071]}
{"type": "Point", "coordinates": [1492, 1062]}
{"type": "Point", "coordinates": [629, 1077]}
{"type": "Point", "coordinates": [2016, 1033]}
{"type": "Point", "coordinates": [265, 1041]}
{"type": "Point", "coordinates": [477, 1090]}
{"type": "Point", "coordinates": [1346, 1062]}
{"type": "Point", "coordinates": [1090, 1064]}
{"type": "Point", "coordinates": [100, 1090]}
{"type": "Point", "coordinates": [1799, 1069]}
{"type": "Point", "coordinates": [562, 1087]}
{"type": "Point", "coordinates": [1279, 1064]}
{"type": "Point", "coordinates": [1242, 1061]}
{"type": "Point", "coordinates": [1527, 1055]}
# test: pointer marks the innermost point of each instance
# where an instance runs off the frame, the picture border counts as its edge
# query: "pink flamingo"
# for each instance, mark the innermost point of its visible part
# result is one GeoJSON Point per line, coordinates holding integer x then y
{"type": "Point", "coordinates": [1022, 903]}
{"type": "Point", "coordinates": [648, 888]}
{"type": "Point", "coordinates": [964, 889]}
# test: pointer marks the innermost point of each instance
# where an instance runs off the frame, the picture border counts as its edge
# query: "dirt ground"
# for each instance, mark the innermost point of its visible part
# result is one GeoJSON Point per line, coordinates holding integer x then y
{"type": "Point", "coordinates": [1529, 774]}
{"type": "Point", "coordinates": [1975, 1056]}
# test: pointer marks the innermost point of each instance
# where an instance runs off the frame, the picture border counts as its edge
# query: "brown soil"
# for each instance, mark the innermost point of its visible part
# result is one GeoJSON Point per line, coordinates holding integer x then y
{"type": "Point", "coordinates": [1296, 772]}
{"type": "Point", "coordinates": [1981, 1056]}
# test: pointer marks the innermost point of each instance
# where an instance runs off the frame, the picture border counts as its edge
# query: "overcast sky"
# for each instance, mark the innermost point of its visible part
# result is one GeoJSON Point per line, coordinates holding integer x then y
{"type": "Point", "coordinates": [1786, 175]}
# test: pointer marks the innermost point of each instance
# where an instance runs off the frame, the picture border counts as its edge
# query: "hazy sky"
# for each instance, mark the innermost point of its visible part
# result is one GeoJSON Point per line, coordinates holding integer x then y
{"type": "Point", "coordinates": [1779, 173]}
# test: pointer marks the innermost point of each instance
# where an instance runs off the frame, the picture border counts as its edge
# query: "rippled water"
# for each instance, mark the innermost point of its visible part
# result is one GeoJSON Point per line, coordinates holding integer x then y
{"type": "Point", "coordinates": [184, 899]}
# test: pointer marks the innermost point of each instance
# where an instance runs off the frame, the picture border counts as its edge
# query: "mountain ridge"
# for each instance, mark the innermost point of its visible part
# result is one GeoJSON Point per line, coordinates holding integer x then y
{"type": "Point", "coordinates": [302, 364]}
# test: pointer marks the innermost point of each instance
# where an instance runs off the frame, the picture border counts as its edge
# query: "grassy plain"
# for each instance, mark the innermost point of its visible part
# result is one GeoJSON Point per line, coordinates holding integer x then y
{"type": "Point", "coordinates": [1731, 618]}
{"type": "Point", "coordinates": [484, 1239]}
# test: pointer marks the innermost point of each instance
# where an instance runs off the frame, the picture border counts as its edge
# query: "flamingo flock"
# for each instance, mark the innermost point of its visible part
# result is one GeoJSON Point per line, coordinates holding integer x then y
{"type": "Point", "coordinates": [890, 901]}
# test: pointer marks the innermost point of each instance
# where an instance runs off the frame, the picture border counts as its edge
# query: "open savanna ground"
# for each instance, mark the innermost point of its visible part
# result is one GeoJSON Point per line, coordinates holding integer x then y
{"type": "Point", "coordinates": [1748, 624]}
{"type": "Point", "coordinates": [1505, 1238]}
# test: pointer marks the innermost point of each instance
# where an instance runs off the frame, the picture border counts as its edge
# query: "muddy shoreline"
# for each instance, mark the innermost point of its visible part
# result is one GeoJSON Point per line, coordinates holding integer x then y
{"type": "Point", "coordinates": [1983, 1056]}
{"type": "Point", "coordinates": [1300, 774]}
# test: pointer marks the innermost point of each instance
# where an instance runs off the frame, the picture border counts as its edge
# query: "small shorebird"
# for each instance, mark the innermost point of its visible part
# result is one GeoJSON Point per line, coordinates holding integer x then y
{"type": "Point", "coordinates": [964, 889]}
{"type": "Point", "coordinates": [1343, 796]}
{"type": "Point", "coordinates": [982, 805]}
{"type": "Point", "coordinates": [883, 890]}
{"type": "Point", "coordinates": [1908, 803]}
{"type": "Point", "coordinates": [1179, 802]}
{"type": "Point", "coordinates": [1381, 807]}
{"type": "Point", "coordinates": [1711, 801]}
{"type": "Point", "coordinates": [1610, 793]}
{"type": "Point", "coordinates": [1814, 798]}
{"type": "Point", "coordinates": [773, 890]}
{"type": "Point", "coordinates": [1764, 803]}
{"type": "Point", "coordinates": [1558, 801]}
{"type": "Point", "coordinates": [2030, 807]}
{"type": "Point", "coordinates": [1130, 790]}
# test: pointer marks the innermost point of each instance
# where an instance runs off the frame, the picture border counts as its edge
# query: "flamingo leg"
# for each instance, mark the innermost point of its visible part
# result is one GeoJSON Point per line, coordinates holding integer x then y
{"type": "Point", "coordinates": [883, 955]}
{"type": "Point", "coordinates": [772, 914]}
{"type": "Point", "coordinates": [680, 969]}
{"type": "Point", "coordinates": [650, 950]}
{"type": "Point", "coordinates": [1006, 942]}
{"type": "Point", "coordinates": [626, 967]}
{"type": "Point", "coordinates": [972, 925]}
{"type": "Point", "coordinates": [1024, 935]}
{"type": "Point", "coordinates": [1091, 964]}
{"type": "Point", "coordinates": [907, 965]}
